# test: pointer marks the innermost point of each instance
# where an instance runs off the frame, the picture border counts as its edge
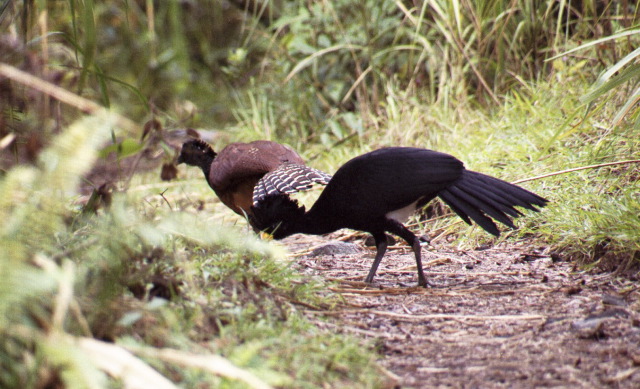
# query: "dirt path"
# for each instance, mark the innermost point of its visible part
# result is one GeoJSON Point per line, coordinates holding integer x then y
{"type": "Point", "coordinates": [503, 317]}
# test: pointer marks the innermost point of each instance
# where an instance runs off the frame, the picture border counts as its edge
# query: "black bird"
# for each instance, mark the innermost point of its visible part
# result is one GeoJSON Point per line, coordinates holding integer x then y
{"type": "Point", "coordinates": [376, 192]}
{"type": "Point", "coordinates": [246, 172]}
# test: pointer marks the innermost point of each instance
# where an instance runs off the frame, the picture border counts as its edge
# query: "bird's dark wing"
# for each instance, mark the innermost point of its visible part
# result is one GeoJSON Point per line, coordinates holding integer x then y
{"type": "Point", "coordinates": [388, 179]}
{"type": "Point", "coordinates": [288, 178]}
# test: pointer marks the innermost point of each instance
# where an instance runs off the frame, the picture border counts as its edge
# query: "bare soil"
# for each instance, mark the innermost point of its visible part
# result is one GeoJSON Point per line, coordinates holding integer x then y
{"type": "Point", "coordinates": [504, 317]}
{"type": "Point", "coordinates": [510, 316]}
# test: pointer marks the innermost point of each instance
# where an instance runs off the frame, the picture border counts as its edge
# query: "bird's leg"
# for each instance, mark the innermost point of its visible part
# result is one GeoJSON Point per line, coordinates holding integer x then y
{"type": "Point", "coordinates": [413, 241]}
{"type": "Point", "coordinates": [417, 251]}
{"type": "Point", "coordinates": [381, 248]}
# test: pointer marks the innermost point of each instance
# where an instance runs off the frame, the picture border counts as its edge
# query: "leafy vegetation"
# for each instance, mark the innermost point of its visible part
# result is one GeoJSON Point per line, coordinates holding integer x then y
{"type": "Point", "coordinates": [166, 277]}
{"type": "Point", "coordinates": [170, 282]}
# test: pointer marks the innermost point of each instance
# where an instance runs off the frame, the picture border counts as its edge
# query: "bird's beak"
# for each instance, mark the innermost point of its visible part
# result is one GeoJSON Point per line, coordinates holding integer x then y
{"type": "Point", "coordinates": [265, 236]}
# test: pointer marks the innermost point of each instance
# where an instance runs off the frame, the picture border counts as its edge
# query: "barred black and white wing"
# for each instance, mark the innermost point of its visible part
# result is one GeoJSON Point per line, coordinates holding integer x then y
{"type": "Point", "coordinates": [288, 178]}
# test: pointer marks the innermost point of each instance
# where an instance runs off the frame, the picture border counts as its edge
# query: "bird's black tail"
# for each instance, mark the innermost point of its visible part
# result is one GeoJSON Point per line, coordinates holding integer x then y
{"type": "Point", "coordinates": [476, 196]}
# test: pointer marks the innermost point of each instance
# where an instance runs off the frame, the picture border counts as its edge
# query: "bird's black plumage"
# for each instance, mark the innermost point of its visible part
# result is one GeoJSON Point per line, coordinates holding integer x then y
{"type": "Point", "coordinates": [376, 191]}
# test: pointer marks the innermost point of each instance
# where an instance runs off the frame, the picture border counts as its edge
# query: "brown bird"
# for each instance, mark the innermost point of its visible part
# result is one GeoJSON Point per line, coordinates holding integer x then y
{"type": "Point", "coordinates": [243, 173]}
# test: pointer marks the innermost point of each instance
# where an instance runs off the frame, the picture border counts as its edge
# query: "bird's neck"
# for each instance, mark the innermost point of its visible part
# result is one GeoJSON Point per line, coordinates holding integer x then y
{"type": "Point", "coordinates": [314, 223]}
{"type": "Point", "coordinates": [204, 163]}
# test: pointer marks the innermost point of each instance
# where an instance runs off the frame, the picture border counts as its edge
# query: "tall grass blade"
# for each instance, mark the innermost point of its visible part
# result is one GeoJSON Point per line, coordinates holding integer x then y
{"type": "Point", "coordinates": [309, 60]}
{"type": "Point", "coordinates": [628, 74]}
{"type": "Point", "coordinates": [90, 40]}
{"type": "Point", "coordinates": [595, 43]}
{"type": "Point", "coordinates": [631, 101]}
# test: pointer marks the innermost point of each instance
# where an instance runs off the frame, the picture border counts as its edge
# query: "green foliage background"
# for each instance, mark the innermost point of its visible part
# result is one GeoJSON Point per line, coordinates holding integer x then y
{"type": "Point", "coordinates": [516, 89]}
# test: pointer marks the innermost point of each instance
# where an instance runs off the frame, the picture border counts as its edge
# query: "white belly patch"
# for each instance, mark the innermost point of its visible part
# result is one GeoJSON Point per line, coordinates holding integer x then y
{"type": "Point", "coordinates": [401, 215]}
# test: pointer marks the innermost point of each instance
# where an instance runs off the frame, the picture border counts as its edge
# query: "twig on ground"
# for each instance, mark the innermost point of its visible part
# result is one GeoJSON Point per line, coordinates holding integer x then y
{"type": "Point", "coordinates": [576, 169]}
{"type": "Point", "coordinates": [445, 316]}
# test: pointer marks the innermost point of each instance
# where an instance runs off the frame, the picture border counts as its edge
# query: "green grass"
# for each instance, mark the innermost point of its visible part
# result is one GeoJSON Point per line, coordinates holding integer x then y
{"type": "Point", "coordinates": [334, 80]}
{"type": "Point", "coordinates": [152, 274]}
{"type": "Point", "coordinates": [538, 130]}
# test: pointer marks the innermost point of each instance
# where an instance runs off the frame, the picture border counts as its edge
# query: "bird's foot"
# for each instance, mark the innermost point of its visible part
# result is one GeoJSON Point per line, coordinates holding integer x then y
{"type": "Point", "coordinates": [424, 283]}
{"type": "Point", "coordinates": [370, 284]}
